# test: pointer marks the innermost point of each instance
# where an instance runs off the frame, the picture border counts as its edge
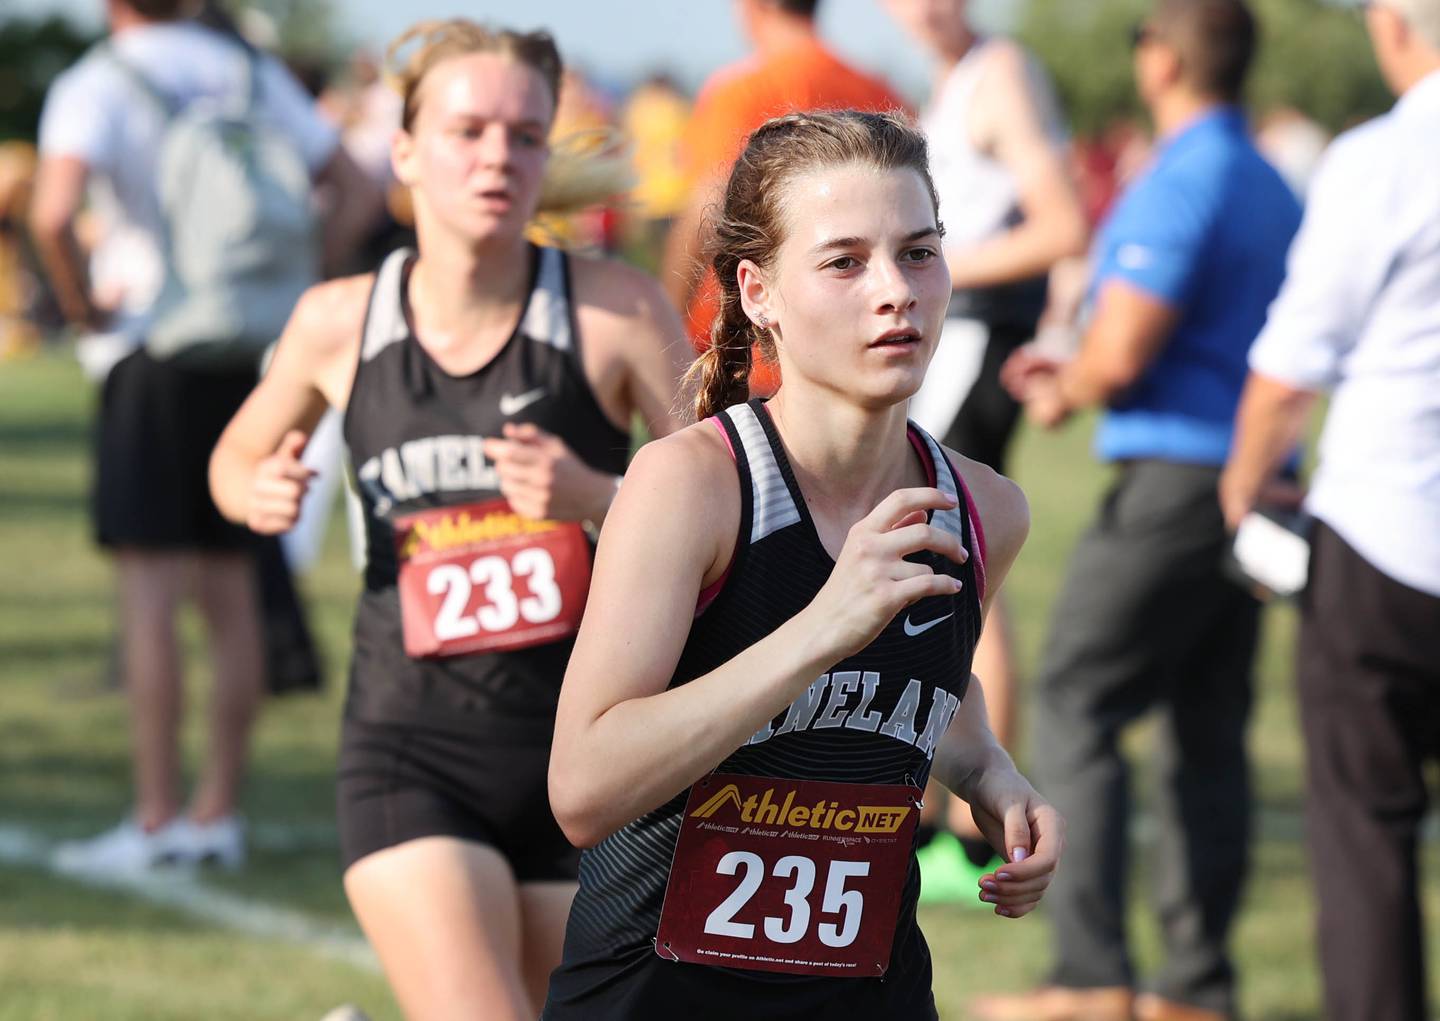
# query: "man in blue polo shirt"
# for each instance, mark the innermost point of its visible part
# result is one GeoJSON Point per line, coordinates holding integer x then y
{"type": "Point", "coordinates": [1184, 272]}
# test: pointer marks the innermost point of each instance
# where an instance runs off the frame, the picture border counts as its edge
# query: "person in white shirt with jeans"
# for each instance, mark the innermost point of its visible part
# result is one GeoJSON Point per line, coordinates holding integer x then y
{"type": "Point", "coordinates": [100, 132]}
{"type": "Point", "coordinates": [1359, 316]}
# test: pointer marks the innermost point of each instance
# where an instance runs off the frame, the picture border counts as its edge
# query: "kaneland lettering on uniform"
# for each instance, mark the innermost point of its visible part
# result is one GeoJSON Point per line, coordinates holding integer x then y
{"type": "Point", "coordinates": [843, 699]}
{"type": "Point", "coordinates": [449, 531]}
{"type": "Point", "coordinates": [766, 809]}
{"type": "Point", "coordinates": [430, 464]}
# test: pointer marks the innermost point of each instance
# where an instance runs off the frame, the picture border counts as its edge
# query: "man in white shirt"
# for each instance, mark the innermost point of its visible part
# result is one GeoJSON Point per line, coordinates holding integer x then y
{"type": "Point", "coordinates": [100, 131]}
{"type": "Point", "coordinates": [1359, 315]}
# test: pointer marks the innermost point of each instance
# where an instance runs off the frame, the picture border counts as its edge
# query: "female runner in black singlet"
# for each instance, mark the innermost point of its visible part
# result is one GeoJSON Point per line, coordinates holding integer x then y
{"type": "Point", "coordinates": [767, 670]}
{"type": "Point", "coordinates": [488, 386]}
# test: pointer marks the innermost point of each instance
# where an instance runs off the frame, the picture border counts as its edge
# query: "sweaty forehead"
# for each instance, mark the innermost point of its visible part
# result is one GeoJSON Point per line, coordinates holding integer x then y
{"type": "Point", "coordinates": [857, 200]}
{"type": "Point", "coordinates": [488, 85]}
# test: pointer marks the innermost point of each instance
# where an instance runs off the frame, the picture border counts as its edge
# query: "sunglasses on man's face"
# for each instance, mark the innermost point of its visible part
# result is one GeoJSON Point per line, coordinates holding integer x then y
{"type": "Point", "coordinates": [1141, 34]}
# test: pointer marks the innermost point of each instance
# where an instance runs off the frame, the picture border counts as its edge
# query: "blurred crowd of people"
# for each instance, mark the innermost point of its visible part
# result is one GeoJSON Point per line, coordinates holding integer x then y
{"type": "Point", "coordinates": [1131, 272]}
{"type": "Point", "coordinates": [652, 120]}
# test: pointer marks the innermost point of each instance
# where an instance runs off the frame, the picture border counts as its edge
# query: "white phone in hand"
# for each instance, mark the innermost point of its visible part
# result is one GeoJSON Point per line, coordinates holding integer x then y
{"type": "Point", "coordinates": [1272, 550]}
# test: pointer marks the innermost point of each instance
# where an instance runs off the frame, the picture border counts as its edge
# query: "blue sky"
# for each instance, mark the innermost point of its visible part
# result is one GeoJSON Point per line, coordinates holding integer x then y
{"type": "Point", "coordinates": [623, 39]}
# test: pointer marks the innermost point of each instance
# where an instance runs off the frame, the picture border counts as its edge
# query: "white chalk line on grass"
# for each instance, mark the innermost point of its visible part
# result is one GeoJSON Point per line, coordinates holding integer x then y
{"type": "Point", "coordinates": [185, 892]}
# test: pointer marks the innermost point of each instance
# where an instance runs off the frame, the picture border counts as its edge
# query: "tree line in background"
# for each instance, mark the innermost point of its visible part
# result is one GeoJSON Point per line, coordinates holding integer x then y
{"type": "Point", "coordinates": [1314, 56]}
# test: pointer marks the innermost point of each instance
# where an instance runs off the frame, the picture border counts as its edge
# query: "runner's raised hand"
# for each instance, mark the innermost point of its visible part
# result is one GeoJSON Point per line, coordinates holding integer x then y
{"type": "Point", "coordinates": [872, 580]}
{"type": "Point", "coordinates": [279, 487]}
{"type": "Point", "coordinates": [543, 478]}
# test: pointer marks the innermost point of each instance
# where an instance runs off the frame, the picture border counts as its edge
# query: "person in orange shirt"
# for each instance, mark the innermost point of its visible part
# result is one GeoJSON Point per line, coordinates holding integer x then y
{"type": "Point", "coordinates": [790, 70]}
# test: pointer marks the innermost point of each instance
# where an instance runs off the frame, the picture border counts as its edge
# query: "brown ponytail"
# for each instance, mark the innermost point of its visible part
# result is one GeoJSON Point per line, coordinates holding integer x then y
{"type": "Point", "coordinates": [721, 375]}
{"type": "Point", "coordinates": [750, 225]}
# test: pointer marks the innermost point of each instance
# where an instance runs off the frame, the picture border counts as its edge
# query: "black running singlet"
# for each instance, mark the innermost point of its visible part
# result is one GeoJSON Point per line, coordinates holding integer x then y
{"type": "Point", "coordinates": [874, 718]}
{"type": "Point", "coordinates": [414, 434]}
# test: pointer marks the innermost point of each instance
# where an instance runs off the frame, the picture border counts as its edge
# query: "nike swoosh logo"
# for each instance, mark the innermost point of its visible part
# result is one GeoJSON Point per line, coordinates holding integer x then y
{"type": "Point", "coordinates": [911, 630]}
{"type": "Point", "coordinates": [513, 404]}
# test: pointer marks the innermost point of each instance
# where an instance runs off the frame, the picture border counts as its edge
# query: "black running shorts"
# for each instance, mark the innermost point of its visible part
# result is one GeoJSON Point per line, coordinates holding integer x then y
{"type": "Point", "coordinates": [157, 426]}
{"type": "Point", "coordinates": [400, 783]}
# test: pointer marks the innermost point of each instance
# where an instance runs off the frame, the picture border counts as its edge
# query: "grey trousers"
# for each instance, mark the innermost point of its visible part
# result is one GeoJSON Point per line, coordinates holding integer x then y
{"type": "Point", "coordinates": [1146, 621]}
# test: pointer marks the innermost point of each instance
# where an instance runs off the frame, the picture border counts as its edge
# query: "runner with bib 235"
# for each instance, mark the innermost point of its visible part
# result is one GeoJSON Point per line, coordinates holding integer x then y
{"type": "Point", "coordinates": [488, 387]}
{"type": "Point", "coordinates": [777, 647]}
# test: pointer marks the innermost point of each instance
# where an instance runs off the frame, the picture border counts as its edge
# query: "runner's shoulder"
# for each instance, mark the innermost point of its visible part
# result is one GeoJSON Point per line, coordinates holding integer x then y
{"type": "Point", "coordinates": [1001, 505]}
{"type": "Point", "coordinates": [692, 475]}
{"type": "Point", "coordinates": [693, 457]}
{"type": "Point", "coordinates": [614, 301]}
{"type": "Point", "coordinates": [609, 285]}
{"type": "Point", "coordinates": [329, 318]}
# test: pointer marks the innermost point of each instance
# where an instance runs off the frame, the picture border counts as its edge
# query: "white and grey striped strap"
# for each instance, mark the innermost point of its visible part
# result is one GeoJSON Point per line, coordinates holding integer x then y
{"type": "Point", "coordinates": [385, 319]}
{"type": "Point", "coordinates": [547, 315]}
{"type": "Point", "coordinates": [946, 520]}
{"type": "Point", "coordinates": [773, 507]}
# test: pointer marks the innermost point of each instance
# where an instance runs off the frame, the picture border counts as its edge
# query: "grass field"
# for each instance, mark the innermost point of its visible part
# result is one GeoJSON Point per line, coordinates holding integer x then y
{"type": "Point", "coordinates": [277, 940]}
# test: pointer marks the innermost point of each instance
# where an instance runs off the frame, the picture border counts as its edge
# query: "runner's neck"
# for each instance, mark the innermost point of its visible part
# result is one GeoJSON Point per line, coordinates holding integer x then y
{"type": "Point", "coordinates": [464, 294]}
{"type": "Point", "coordinates": [844, 457]}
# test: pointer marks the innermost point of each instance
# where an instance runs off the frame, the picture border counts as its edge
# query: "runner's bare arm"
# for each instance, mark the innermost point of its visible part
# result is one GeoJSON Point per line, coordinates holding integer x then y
{"type": "Point", "coordinates": [312, 367]}
{"type": "Point", "coordinates": [969, 760]}
{"type": "Point", "coordinates": [1004, 518]}
{"type": "Point", "coordinates": [624, 742]}
{"type": "Point", "coordinates": [1011, 814]}
{"type": "Point", "coordinates": [632, 341]}
{"type": "Point", "coordinates": [1015, 128]}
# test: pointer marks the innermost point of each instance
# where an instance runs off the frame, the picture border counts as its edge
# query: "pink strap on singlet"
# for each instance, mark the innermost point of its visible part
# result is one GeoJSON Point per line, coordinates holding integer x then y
{"type": "Point", "coordinates": [976, 528]}
{"type": "Point", "coordinates": [711, 592]}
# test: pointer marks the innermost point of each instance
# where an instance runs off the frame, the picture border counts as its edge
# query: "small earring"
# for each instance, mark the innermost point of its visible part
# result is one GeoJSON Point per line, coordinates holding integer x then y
{"type": "Point", "coordinates": [763, 322]}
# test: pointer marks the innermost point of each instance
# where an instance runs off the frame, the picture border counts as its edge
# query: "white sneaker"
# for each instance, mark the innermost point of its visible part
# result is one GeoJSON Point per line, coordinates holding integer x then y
{"type": "Point", "coordinates": [127, 849]}
{"type": "Point", "coordinates": [346, 1012]}
{"type": "Point", "coordinates": [219, 842]}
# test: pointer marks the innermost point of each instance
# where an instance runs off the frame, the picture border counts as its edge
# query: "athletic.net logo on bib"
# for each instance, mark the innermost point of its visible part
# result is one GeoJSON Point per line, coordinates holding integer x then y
{"type": "Point", "coordinates": [480, 578]}
{"type": "Point", "coordinates": [796, 876]}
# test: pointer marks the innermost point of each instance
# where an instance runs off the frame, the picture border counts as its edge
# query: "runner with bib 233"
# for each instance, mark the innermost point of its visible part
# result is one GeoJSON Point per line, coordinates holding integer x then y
{"type": "Point", "coordinates": [488, 388]}
{"type": "Point", "coordinates": [777, 649]}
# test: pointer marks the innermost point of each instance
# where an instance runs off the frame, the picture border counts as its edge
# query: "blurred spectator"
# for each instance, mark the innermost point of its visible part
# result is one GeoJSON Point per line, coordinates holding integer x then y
{"type": "Point", "coordinates": [18, 335]}
{"type": "Point", "coordinates": [366, 110]}
{"type": "Point", "coordinates": [103, 123]}
{"type": "Point", "coordinates": [1105, 165]}
{"type": "Point", "coordinates": [790, 70]}
{"type": "Point", "coordinates": [584, 124]}
{"type": "Point", "coordinates": [1186, 265]}
{"type": "Point", "coordinates": [1360, 315]}
{"type": "Point", "coordinates": [292, 661]}
{"type": "Point", "coordinates": [653, 121]}
{"type": "Point", "coordinates": [1010, 213]}
{"type": "Point", "coordinates": [1293, 143]}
